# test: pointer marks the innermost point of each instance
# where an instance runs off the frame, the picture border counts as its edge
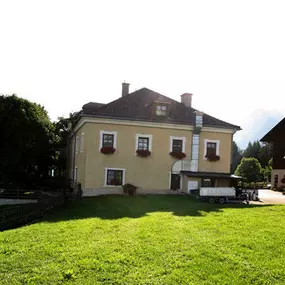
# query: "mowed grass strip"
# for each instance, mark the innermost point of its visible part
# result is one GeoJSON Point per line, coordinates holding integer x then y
{"type": "Point", "coordinates": [148, 240]}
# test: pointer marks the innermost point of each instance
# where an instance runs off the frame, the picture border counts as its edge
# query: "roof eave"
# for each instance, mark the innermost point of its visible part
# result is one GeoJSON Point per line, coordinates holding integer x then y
{"type": "Point", "coordinates": [233, 127]}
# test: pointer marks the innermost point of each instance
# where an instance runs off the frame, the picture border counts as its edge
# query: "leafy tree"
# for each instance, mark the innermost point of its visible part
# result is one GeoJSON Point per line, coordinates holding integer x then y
{"type": "Point", "coordinates": [62, 130]}
{"type": "Point", "coordinates": [236, 156]}
{"type": "Point", "coordinates": [249, 169]}
{"type": "Point", "coordinates": [253, 150]}
{"type": "Point", "coordinates": [266, 154]}
{"type": "Point", "coordinates": [262, 152]}
{"type": "Point", "coordinates": [268, 170]}
{"type": "Point", "coordinates": [27, 141]}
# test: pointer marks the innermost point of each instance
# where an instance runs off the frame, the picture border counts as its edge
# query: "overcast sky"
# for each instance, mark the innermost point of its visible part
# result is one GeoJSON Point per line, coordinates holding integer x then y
{"type": "Point", "coordinates": [63, 54]}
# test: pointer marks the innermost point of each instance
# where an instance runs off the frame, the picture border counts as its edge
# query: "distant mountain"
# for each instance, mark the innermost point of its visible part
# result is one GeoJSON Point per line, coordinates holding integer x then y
{"type": "Point", "coordinates": [256, 125]}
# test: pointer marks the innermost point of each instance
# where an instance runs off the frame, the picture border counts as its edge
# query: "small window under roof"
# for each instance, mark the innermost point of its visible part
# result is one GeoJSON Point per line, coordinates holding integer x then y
{"type": "Point", "coordinates": [161, 110]}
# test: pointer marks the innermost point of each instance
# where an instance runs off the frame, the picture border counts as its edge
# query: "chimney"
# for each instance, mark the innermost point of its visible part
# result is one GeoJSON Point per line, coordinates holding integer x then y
{"type": "Point", "coordinates": [186, 99]}
{"type": "Point", "coordinates": [125, 88]}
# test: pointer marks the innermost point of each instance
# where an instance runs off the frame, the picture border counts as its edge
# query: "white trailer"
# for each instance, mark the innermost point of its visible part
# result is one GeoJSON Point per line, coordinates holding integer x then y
{"type": "Point", "coordinates": [217, 194]}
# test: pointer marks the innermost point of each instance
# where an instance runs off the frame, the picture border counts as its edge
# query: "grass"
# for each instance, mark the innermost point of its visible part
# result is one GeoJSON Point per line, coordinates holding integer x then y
{"type": "Point", "coordinates": [148, 240]}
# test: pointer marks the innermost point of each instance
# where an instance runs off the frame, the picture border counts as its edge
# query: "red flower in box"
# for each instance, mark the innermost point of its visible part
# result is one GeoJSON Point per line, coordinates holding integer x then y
{"type": "Point", "coordinates": [107, 150]}
{"type": "Point", "coordinates": [178, 154]}
{"type": "Point", "coordinates": [212, 157]}
{"type": "Point", "coordinates": [143, 153]}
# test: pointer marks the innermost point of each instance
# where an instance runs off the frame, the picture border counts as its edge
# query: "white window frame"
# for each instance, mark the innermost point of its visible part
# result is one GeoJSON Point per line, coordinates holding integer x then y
{"type": "Point", "coordinates": [108, 133]}
{"type": "Point", "coordinates": [82, 142]}
{"type": "Point", "coordinates": [211, 141]}
{"type": "Point", "coordinates": [161, 110]}
{"type": "Point", "coordinates": [111, 168]}
{"type": "Point", "coordinates": [183, 139]}
{"type": "Point", "coordinates": [75, 173]}
{"type": "Point", "coordinates": [144, 136]}
{"type": "Point", "coordinates": [76, 144]}
{"type": "Point", "coordinates": [195, 147]}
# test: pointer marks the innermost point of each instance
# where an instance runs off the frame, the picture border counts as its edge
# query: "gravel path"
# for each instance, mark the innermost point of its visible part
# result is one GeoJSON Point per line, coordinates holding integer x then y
{"type": "Point", "coordinates": [271, 197]}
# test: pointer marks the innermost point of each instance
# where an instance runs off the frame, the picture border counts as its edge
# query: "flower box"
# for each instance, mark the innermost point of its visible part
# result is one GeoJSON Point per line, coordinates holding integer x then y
{"type": "Point", "coordinates": [178, 154]}
{"type": "Point", "coordinates": [143, 153]}
{"type": "Point", "coordinates": [212, 157]}
{"type": "Point", "coordinates": [107, 150]}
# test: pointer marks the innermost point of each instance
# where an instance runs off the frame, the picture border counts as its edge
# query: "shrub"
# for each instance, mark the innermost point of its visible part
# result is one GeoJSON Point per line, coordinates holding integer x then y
{"type": "Point", "coordinates": [281, 188]}
{"type": "Point", "coordinates": [129, 189]}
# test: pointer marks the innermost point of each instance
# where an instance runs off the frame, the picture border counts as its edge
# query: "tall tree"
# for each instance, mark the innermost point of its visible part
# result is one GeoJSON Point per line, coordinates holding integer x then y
{"type": "Point", "coordinates": [62, 130]}
{"type": "Point", "coordinates": [266, 154]}
{"type": "Point", "coordinates": [236, 156]}
{"type": "Point", "coordinates": [249, 169]}
{"type": "Point", "coordinates": [27, 141]}
{"type": "Point", "coordinates": [262, 152]}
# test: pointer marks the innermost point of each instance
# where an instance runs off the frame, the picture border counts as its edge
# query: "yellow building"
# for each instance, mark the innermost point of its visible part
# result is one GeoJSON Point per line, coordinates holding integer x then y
{"type": "Point", "coordinates": [150, 141]}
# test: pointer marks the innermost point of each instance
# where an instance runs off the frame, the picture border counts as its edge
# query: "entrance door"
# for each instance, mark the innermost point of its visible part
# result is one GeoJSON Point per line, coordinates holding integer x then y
{"type": "Point", "coordinates": [175, 181]}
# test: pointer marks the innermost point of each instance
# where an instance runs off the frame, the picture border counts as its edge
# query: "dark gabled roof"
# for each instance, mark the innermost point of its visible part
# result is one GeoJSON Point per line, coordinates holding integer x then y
{"type": "Point", "coordinates": [275, 132]}
{"type": "Point", "coordinates": [139, 105]}
{"type": "Point", "coordinates": [92, 106]}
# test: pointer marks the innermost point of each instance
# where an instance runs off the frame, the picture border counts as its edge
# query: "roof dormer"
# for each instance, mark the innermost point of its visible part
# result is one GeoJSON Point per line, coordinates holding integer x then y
{"type": "Point", "coordinates": [160, 109]}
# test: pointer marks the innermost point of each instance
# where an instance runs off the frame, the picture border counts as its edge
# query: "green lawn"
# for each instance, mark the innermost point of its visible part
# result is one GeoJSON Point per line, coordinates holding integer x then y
{"type": "Point", "coordinates": [148, 240]}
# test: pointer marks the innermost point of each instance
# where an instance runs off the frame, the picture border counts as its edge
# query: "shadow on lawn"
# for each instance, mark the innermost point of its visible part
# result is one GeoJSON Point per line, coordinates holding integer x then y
{"type": "Point", "coordinates": [116, 207]}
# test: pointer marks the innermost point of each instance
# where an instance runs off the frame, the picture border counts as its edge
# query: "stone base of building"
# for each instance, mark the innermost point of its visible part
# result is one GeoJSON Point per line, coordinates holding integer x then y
{"type": "Point", "coordinates": [89, 192]}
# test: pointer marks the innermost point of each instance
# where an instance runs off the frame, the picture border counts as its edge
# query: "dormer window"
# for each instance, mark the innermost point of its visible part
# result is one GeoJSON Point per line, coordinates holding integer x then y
{"type": "Point", "coordinates": [161, 110]}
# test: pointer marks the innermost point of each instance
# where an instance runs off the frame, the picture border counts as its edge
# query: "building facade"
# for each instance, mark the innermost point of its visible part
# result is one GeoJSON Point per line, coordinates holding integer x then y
{"type": "Point", "coordinates": [276, 137]}
{"type": "Point", "coordinates": [151, 141]}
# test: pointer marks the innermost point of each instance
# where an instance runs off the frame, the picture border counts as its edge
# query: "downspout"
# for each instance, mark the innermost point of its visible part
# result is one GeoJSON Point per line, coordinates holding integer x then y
{"type": "Point", "coordinates": [73, 157]}
{"type": "Point", "coordinates": [231, 161]}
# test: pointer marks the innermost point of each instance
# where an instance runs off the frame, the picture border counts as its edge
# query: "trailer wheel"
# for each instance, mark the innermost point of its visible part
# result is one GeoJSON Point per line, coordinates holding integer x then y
{"type": "Point", "coordinates": [222, 200]}
{"type": "Point", "coordinates": [211, 200]}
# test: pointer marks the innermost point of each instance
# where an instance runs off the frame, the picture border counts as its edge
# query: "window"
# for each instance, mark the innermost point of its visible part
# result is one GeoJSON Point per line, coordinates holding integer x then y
{"type": "Point", "coordinates": [108, 139]}
{"type": "Point", "coordinates": [143, 143]}
{"type": "Point", "coordinates": [177, 144]}
{"type": "Point", "coordinates": [76, 144]}
{"type": "Point", "coordinates": [82, 143]}
{"type": "Point", "coordinates": [208, 182]}
{"type": "Point", "coordinates": [275, 181]}
{"type": "Point", "coordinates": [199, 120]}
{"type": "Point", "coordinates": [75, 173]}
{"type": "Point", "coordinates": [114, 177]}
{"type": "Point", "coordinates": [195, 147]}
{"type": "Point", "coordinates": [161, 110]}
{"type": "Point", "coordinates": [211, 147]}
{"type": "Point", "coordinates": [195, 139]}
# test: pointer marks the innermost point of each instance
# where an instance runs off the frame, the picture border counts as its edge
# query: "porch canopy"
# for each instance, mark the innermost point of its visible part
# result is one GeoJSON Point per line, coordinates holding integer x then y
{"type": "Point", "coordinates": [209, 174]}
